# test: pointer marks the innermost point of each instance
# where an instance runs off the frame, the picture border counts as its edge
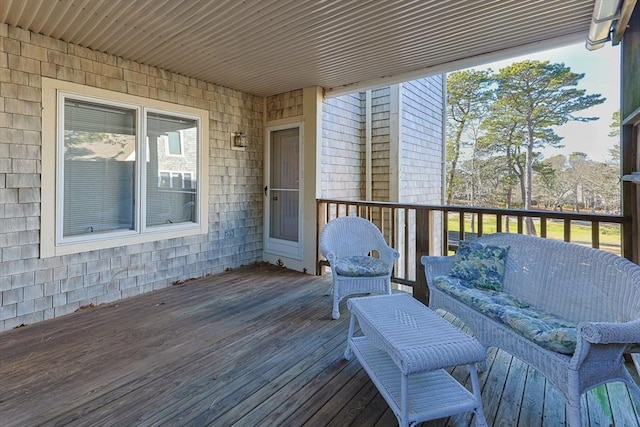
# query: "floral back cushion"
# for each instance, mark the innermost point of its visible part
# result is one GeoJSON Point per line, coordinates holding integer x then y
{"type": "Point", "coordinates": [481, 265]}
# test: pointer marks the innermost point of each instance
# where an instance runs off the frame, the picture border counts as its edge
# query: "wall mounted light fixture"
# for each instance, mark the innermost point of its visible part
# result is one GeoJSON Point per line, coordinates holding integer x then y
{"type": "Point", "coordinates": [238, 140]}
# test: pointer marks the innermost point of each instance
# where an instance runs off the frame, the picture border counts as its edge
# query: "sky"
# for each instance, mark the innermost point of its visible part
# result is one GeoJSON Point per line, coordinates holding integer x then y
{"type": "Point", "coordinates": [602, 76]}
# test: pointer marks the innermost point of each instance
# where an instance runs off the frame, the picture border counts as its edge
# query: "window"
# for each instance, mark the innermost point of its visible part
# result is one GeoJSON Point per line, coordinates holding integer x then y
{"type": "Point", "coordinates": [175, 180]}
{"type": "Point", "coordinates": [174, 143]}
{"type": "Point", "coordinates": [127, 170]}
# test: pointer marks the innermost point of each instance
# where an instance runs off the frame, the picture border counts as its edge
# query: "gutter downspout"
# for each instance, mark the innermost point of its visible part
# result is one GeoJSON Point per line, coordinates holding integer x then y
{"type": "Point", "coordinates": [605, 13]}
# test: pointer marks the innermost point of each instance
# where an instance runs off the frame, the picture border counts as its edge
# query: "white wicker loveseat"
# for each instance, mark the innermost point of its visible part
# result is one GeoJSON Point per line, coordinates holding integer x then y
{"type": "Point", "coordinates": [587, 295]}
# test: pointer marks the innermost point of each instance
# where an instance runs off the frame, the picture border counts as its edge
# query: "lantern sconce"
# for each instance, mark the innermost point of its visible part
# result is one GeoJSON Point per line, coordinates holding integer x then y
{"type": "Point", "coordinates": [238, 140]}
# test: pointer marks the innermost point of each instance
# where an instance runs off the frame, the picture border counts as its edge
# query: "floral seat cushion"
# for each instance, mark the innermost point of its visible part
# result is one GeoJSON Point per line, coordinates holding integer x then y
{"type": "Point", "coordinates": [545, 329]}
{"type": "Point", "coordinates": [361, 266]}
{"type": "Point", "coordinates": [488, 302]}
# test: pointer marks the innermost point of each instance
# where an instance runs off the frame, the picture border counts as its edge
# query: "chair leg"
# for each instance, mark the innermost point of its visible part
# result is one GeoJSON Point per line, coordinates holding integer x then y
{"type": "Point", "coordinates": [329, 290]}
{"type": "Point", "coordinates": [335, 313]}
{"type": "Point", "coordinates": [574, 418]}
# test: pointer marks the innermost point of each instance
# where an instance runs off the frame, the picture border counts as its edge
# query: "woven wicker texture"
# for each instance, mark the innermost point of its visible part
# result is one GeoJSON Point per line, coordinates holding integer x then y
{"type": "Point", "coordinates": [402, 336]}
{"type": "Point", "coordinates": [599, 291]}
{"type": "Point", "coordinates": [354, 236]}
{"type": "Point", "coordinates": [416, 339]}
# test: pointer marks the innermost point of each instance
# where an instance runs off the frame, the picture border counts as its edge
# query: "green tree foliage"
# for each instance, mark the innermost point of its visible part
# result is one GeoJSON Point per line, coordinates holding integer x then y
{"type": "Point", "coordinates": [468, 95]}
{"type": "Point", "coordinates": [518, 109]}
{"type": "Point", "coordinates": [542, 95]}
{"type": "Point", "coordinates": [615, 124]}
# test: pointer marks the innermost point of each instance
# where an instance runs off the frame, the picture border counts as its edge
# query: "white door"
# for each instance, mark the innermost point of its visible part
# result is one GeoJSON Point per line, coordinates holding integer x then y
{"type": "Point", "coordinates": [283, 210]}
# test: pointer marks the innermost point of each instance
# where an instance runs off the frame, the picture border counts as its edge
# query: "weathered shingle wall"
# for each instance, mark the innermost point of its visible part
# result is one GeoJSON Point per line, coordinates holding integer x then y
{"type": "Point", "coordinates": [284, 105]}
{"type": "Point", "coordinates": [34, 289]}
{"type": "Point", "coordinates": [343, 148]}
{"type": "Point", "coordinates": [422, 141]}
{"type": "Point", "coordinates": [380, 144]}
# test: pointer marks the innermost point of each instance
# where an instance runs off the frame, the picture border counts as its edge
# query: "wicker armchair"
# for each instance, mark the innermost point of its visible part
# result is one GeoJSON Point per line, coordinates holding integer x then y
{"type": "Point", "coordinates": [360, 259]}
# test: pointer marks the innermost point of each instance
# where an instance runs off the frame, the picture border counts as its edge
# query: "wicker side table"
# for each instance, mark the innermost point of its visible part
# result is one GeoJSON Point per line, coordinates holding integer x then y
{"type": "Point", "coordinates": [405, 348]}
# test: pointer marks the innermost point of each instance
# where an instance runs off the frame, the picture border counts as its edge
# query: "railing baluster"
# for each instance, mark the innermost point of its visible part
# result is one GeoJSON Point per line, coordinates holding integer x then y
{"type": "Point", "coordinates": [595, 234]}
{"type": "Point", "coordinates": [567, 230]}
{"type": "Point", "coordinates": [393, 227]}
{"type": "Point", "coordinates": [406, 241]}
{"type": "Point", "coordinates": [520, 223]}
{"type": "Point", "coordinates": [445, 232]}
{"type": "Point", "coordinates": [423, 238]}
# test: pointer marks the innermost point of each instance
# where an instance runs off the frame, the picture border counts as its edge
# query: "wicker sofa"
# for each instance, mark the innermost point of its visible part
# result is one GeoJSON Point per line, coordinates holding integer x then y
{"type": "Point", "coordinates": [567, 292]}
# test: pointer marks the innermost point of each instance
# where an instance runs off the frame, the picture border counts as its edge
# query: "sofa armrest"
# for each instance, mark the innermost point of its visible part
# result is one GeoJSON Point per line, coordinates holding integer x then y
{"type": "Point", "coordinates": [610, 333]}
{"type": "Point", "coordinates": [436, 266]}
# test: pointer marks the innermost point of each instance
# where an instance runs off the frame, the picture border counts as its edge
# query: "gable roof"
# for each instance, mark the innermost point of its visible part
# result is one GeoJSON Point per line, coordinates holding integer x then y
{"type": "Point", "coordinates": [266, 47]}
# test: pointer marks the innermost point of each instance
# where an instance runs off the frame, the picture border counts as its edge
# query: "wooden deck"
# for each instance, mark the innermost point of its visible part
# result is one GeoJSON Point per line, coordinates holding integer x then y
{"type": "Point", "coordinates": [251, 347]}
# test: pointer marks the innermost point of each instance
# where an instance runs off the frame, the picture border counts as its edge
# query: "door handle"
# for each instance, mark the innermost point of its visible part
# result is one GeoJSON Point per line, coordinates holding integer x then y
{"type": "Point", "coordinates": [266, 188]}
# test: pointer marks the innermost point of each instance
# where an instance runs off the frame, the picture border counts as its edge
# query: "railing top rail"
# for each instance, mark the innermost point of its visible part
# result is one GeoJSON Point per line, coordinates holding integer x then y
{"type": "Point", "coordinates": [616, 219]}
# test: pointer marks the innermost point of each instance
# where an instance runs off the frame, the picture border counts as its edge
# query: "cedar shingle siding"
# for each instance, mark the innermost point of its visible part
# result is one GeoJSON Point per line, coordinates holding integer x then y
{"type": "Point", "coordinates": [420, 147]}
{"type": "Point", "coordinates": [34, 289]}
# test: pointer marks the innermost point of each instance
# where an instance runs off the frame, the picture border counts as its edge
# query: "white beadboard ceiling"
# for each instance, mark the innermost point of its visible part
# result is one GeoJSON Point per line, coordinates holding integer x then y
{"type": "Point", "coordinates": [266, 47]}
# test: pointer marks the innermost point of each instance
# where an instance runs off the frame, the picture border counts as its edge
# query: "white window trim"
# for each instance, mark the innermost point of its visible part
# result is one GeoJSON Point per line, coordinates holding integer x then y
{"type": "Point", "coordinates": [49, 246]}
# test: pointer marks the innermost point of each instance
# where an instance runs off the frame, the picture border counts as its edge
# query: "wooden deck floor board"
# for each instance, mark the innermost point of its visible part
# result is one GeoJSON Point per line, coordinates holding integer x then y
{"type": "Point", "coordinates": [285, 388]}
{"type": "Point", "coordinates": [533, 398]}
{"type": "Point", "coordinates": [254, 346]}
{"type": "Point", "coordinates": [511, 402]}
{"type": "Point", "coordinates": [321, 390]}
{"type": "Point", "coordinates": [619, 392]}
{"type": "Point", "coordinates": [213, 370]}
{"type": "Point", "coordinates": [554, 411]}
{"type": "Point", "coordinates": [281, 380]}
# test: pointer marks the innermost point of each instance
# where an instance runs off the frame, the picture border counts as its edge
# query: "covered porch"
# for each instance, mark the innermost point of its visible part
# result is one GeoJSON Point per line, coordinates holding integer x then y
{"type": "Point", "coordinates": [251, 346]}
{"type": "Point", "coordinates": [236, 345]}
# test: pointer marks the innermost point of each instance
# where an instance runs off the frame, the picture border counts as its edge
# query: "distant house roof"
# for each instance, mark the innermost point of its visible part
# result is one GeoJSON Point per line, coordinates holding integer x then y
{"type": "Point", "coordinates": [268, 47]}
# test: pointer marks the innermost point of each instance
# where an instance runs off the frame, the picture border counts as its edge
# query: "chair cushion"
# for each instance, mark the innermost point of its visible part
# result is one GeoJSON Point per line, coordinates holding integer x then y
{"type": "Point", "coordinates": [488, 302]}
{"type": "Point", "coordinates": [545, 329]}
{"type": "Point", "coordinates": [481, 265]}
{"type": "Point", "coordinates": [361, 266]}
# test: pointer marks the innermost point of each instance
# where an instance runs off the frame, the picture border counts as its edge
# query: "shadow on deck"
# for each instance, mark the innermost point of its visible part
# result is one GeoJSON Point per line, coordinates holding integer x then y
{"type": "Point", "coordinates": [254, 346]}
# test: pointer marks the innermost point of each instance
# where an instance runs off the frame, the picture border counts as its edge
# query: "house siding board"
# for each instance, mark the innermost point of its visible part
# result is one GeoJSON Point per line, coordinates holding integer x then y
{"type": "Point", "coordinates": [343, 149]}
{"type": "Point", "coordinates": [34, 289]}
{"type": "Point", "coordinates": [422, 141]}
{"type": "Point", "coordinates": [420, 156]}
{"type": "Point", "coordinates": [284, 105]}
{"type": "Point", "coordinates": [380, 144]}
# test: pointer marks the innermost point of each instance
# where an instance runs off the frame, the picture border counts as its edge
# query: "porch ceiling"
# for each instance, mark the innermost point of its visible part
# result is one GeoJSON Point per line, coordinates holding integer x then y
{"type": "Point", "coordinates": [265, 47]}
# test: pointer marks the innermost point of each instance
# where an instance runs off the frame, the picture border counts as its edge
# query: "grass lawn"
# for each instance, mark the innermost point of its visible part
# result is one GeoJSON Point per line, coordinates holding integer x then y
{"type": "Point", "coordinates": [610, 239]}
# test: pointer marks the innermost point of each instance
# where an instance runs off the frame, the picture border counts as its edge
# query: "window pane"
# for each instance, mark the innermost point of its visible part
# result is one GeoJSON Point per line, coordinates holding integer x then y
{"type": "Point", "coordinates": [284, 215]}
{"type": "Point", "coordinates": [99, 168]}
{"type": "Point", "coordinates": [171, 202]}
{"type": "Point", "coordinates": [174, 146]}
{"type": "Point", "coordinates": [285, 159]}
